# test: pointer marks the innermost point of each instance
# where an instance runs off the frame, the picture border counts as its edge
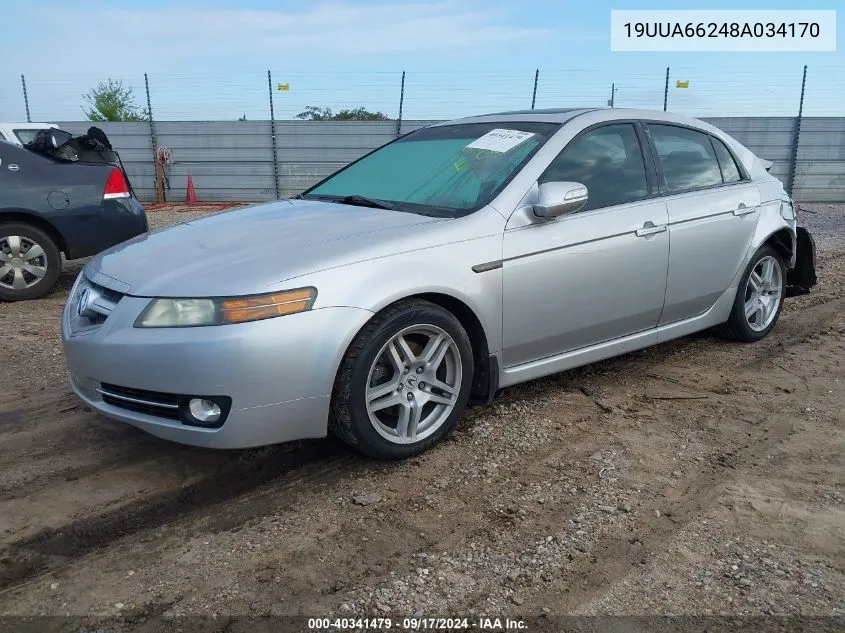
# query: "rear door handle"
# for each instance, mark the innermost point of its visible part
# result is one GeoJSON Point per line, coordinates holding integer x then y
{"type": "Point", "coordinates": [743, 210]}
{"type": "Point", "coordinates": [649, 228]}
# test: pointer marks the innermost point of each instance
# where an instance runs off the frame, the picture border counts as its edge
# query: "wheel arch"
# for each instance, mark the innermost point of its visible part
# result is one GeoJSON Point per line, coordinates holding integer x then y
{"type": "Point", "coordinates": [485, 365]}
{"type": "Point", "coordinates": [782, 240]}
{"type": "Point", "coordinates": [773, 230]}
{"type": "Point", "coordinates": [25, 217]}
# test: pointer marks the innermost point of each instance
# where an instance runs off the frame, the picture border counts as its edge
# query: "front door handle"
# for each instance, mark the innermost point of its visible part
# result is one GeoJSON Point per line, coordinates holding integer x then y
{"type": "Point", "coordinates": [743, 210]}
{"type": "Point", "coordinates": [649, 228]}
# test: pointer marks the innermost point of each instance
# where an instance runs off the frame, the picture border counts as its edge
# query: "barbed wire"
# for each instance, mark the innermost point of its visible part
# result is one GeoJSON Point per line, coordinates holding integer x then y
{"type": "Point", "coordinates": [440, 94]}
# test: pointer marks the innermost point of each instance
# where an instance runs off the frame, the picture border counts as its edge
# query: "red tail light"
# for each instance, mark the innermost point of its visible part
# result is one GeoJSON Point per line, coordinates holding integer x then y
{"type": "Point", "coordinates": [116, 186]}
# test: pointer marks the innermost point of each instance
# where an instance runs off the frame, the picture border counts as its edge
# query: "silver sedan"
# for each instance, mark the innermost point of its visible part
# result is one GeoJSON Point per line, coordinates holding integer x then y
{"type": "Point", "coordinates": [457, 260]}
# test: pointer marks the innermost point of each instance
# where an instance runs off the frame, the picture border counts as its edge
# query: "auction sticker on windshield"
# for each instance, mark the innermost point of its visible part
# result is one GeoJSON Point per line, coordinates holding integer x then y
{"type": "Point", "coordinates": [500, 140]}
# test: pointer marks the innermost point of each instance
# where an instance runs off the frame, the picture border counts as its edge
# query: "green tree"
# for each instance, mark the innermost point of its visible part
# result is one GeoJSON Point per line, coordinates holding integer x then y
{"type": "Point", "coordinates": [110, 100]}
{"type": "Point", "coordinates": [313, 113]}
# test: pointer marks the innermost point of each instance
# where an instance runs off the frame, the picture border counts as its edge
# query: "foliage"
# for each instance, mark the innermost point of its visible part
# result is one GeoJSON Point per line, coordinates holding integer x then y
{"type": "Point", "coordinates": [313, 113]}
{"type": "Point", "coordinates": [110, 100]}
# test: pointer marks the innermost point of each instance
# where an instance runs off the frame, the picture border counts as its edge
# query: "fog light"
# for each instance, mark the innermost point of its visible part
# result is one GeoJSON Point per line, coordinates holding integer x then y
{"type": "Point", "coordinates": [204, 410]}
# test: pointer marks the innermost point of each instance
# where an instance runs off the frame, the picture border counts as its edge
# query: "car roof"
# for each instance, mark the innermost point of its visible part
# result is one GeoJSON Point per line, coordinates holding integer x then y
{"type": "Point", "coordinates": [23, 125]}
{"type": "Point", "coordinates": [551, 115]}
{"type": "Point", "coordinates": [563, 115]}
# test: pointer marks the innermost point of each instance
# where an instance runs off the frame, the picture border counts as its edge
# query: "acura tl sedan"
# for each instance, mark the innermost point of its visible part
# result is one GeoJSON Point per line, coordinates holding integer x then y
{"type": "Point", "coordinates": [454, 261]}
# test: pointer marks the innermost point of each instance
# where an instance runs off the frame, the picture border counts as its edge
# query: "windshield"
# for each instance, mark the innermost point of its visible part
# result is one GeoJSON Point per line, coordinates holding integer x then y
{"type": "Point", "coordinates": [449, 170]}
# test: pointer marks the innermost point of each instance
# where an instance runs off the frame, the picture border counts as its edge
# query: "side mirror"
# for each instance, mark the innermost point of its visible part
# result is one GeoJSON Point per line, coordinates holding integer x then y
{"type": "Point", "coordinates": [559, 198]}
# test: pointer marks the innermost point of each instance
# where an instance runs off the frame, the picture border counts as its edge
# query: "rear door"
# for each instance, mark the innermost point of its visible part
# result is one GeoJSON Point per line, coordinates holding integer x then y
{"type": "Point", "coordinates": [713, 208]}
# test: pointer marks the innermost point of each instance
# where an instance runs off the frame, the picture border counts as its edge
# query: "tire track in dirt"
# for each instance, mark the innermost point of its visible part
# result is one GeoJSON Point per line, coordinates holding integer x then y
{"type": "Point", "coordinates": [310, 463]}
{"type": "Point", "coordinates": [740, 441]}
{"type": "Point", "coordinates": [694, 494]}
{"type": "Point", "coordinates": [619, 553]}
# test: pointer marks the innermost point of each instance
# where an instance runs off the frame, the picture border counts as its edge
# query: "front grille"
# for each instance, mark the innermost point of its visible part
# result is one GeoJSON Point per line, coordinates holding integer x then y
{"type": "Point", "coordinates": [102, 301]}
{"type": "Point", "coordinates": [155, 403]}
{"type": "Point", "coordinates": [112, 295]}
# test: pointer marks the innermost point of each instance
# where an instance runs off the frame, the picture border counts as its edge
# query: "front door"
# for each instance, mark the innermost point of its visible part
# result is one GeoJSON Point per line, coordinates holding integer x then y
{"type": "Point", "coordinates": [594, 275]}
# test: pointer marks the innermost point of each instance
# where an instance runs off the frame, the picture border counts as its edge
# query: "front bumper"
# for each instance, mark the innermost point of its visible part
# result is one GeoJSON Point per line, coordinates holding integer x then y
{"type": "Point", "coordinates": [278, 372]}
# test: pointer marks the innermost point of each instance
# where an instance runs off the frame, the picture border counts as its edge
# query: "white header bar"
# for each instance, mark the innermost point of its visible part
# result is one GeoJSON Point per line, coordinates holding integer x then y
{"type": "Point", "coordinates": [775, 31]}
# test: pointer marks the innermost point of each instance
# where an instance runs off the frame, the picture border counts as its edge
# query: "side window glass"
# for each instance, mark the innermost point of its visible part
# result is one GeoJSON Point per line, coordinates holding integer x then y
{"type": "Point", "coordinates": [730, 172]}
{"type": "Point", "coordinates": [687, 158]}
{"type": "Point", "coordinates": [25, 136]}
{"type": "Point", "coordinates": [608, 161]}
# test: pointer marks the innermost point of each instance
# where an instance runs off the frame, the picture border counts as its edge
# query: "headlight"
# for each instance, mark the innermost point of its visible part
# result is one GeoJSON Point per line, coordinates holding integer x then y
{"type": "Point", "coordinates": [223, 310]}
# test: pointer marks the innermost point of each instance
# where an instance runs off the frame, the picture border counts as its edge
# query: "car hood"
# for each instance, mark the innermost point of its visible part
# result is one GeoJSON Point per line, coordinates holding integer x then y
{"type": "Point", "coordinates": [249, 250]}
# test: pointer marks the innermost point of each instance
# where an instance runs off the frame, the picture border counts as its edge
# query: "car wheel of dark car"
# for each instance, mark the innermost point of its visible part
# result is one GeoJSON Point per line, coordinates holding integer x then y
{"type": "Point", "coordinates": [759, 298]}
{"type": "Point", "coordinates": [30, 262]}
{"type": "Point", "coordinates": [404, 382]}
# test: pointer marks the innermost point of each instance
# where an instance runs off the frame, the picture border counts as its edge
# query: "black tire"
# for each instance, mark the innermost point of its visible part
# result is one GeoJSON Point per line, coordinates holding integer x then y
{"type": "Point", "coordinates": [737, 327]}
{"type": "Point", "coordinates": [349, 419]}
{"type": "Point", "coordinates": [52, 257]}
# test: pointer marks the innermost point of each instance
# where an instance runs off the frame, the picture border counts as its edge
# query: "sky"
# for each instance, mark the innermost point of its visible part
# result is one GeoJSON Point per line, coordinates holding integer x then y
{"type": "Point", "coordinates": [209, 60]}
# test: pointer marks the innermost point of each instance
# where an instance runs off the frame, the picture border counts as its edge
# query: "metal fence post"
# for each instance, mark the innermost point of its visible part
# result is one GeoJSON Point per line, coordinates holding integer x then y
{"type": "Point", "coordinates": [666, 90]}
{"type": "Point", "coordinates": [401, 104]}
{"type": "Point", "coordinates": [534, 95]}
{"type": "Point", "coordinates": [273, 135]}
{"type": "Point", "coordinates": [25, 99]}
{"type": "Point", "coordinates": [161, 194]}
{"type": "Point", "coordinates": [153, 138]}
{"type": "Point", "coordinates": [796, 135]}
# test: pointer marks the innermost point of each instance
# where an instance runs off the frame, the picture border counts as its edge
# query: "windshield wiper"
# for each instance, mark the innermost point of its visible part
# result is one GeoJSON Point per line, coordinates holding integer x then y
{"type": "Point", "coordinates": [363, 201]}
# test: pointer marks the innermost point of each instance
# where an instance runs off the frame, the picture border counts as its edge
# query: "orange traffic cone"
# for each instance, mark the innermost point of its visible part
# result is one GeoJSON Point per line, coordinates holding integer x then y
{"type": "Point", "coordinates": [191, 194]}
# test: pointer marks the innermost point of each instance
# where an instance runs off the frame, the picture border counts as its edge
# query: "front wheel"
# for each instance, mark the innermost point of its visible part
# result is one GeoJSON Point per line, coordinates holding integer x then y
{"type": "Point", "coordinates": [404, 381]}
{"type": "Point", "coordinates": [759, 298]}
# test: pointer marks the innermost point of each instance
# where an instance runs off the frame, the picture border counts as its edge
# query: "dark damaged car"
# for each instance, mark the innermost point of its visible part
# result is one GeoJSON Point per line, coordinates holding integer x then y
{"type": "Point", "coordinates": [60, 195]}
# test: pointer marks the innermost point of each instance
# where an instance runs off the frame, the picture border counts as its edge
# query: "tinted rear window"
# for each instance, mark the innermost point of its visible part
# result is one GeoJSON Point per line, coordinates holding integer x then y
{"type": "Point", "coordinates": [687, 158]}
{"type": "Point", "coordinates": [730, 172]}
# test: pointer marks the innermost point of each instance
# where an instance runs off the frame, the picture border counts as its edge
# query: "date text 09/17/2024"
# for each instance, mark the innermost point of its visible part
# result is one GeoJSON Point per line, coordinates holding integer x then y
{"type": "Point", "coordinates": [417, 624]}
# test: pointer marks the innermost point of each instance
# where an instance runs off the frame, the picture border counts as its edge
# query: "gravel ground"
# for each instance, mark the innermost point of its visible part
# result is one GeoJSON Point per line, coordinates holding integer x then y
{"type": "Point", "coordinates": [826, 222]}
{"type": "Point", "coordinates": [175, 213]}
{"type": "Point", "coordinates": [697, 477]}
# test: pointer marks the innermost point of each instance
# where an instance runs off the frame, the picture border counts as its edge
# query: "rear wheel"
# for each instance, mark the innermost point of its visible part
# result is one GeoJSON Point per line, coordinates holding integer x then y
{"type": "Point", "coordinates": [30, 262]}
{"type": "Point", "coordinates": [404, 381]}
{"type": "Point", "coordinates": [759, 298]}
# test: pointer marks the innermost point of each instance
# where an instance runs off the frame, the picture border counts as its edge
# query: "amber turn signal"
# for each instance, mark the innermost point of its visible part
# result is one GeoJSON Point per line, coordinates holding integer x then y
{"type": "Point", "coordinates": [253, 308]}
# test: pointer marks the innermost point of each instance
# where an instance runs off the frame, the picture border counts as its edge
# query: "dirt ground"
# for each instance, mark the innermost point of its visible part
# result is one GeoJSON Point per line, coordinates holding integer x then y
{"type": "Point", "coordinates": [699, 477]}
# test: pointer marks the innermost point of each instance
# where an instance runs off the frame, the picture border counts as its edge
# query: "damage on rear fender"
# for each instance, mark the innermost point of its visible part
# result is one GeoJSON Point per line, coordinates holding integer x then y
{"type": "Point", "coordinates": [802, 277]}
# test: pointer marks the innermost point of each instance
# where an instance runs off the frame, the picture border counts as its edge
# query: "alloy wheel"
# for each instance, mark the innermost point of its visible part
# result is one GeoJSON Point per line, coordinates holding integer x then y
{"type": "Point", "coordinates": [763, 293]}
{"type": "Point", "coordinates": [413, 384]}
